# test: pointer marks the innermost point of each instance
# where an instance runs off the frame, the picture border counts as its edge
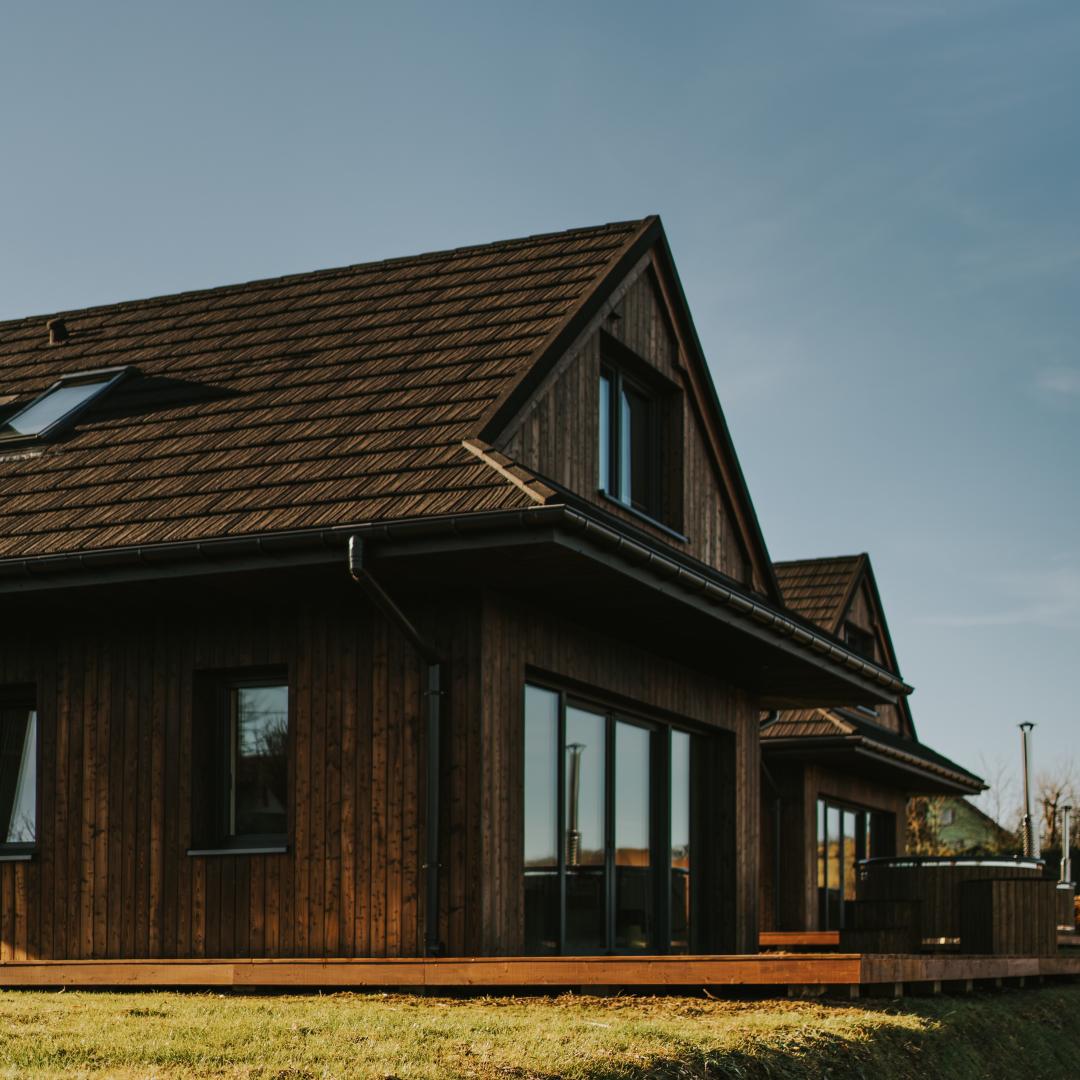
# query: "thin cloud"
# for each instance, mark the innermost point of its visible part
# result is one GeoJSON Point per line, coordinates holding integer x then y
{"type": "Point", "coordinates": [1061, 381]}
{"type": "Point", "coordinates": [1047, 598]}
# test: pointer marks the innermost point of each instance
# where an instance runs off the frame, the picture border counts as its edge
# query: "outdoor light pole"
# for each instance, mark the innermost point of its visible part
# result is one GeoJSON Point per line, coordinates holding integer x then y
{"type": "Point", "coordinates": [1066, 845]}
{"type": "Point", "coordinates": [1029, 830]}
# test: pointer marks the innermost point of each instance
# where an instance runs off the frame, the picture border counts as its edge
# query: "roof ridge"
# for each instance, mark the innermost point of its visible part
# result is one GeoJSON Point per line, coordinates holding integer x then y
{"type": "Point", "coordinates": [329, 272]}
{"type": "Point", "coordinates": [819, 559]}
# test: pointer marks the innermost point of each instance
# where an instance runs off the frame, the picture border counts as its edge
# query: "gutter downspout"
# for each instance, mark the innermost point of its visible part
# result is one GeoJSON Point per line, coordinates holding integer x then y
{"type": "Point", "coordinates": [777, 804]}
{"type": "Point", "coordinates": [363, 577]}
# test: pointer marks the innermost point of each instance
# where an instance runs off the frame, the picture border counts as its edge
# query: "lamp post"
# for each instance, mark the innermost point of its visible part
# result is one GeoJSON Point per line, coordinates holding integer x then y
{"type": "Point", "coordinates": [1029, 830]}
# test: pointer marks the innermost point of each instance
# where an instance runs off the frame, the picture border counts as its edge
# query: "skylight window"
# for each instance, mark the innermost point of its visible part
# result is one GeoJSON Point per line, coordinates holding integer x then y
{"type": "Point", "coordinates": [59, 405]}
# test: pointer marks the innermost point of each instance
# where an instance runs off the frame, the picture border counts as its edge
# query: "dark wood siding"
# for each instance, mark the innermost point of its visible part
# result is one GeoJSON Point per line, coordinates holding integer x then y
{"type": "Point", "coordinates": [118, 695]}
{"type": "Point", "coordinates": [521, 640]}
{"type": "Point", "coordinates": [800, 786]}
{"type": "Point", "coordinates": [557, 435]}
{"type": "Point", "coordinates": [112, 877]}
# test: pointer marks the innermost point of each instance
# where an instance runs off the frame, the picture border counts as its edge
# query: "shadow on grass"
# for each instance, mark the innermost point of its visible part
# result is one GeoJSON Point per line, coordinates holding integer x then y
{"type": "Point", "coordinates": [1032, 1034]}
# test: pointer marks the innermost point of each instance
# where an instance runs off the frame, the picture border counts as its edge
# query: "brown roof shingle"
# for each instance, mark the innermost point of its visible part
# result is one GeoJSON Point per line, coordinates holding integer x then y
{"type": "Point", "coordinates": [329, 398]}
{"type": "Point", "coordinates": [817, 589]}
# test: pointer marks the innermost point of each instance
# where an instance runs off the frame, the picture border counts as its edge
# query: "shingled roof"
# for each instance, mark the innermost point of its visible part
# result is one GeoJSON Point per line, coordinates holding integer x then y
{"type": "Point", "coordinates": [819, 589]}
{"type": "Point", "coordinates": [319, 399]}
{"type": "Point", "coordinates": [811, 730]}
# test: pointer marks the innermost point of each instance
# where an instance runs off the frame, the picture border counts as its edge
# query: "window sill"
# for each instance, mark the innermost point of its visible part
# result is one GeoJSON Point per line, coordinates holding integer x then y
{"type": "Point", "coordinates": [16, 855]}
{"type": "Point", "coordinates": [261, 849]}
{"type": "Point", "coordinates": [642, 516]}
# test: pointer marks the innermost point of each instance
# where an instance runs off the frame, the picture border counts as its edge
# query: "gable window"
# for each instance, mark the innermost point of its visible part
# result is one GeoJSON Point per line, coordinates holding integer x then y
{"type": "Point", "coordinates": [18, 774]}
{"type": "Point", "coordinates": [608, 830]}
{"type": "Point", "coordinates": [59, 405]}
{"type": "Point", "coordinates": [629, 442]}
{"type": "Point", "coordinates": [859, 641]}
{"type": "Point", "coordinates": [242, 762]}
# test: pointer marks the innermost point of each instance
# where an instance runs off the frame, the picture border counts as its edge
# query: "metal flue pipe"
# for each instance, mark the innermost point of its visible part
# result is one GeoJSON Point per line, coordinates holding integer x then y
{"type": "Point", "coordinates": [1066, 845]}
{"type": "Point", "coordinates": [1028, 828]}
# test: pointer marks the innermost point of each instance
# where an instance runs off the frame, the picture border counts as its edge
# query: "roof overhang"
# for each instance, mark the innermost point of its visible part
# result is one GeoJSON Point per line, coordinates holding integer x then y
{"type": "Point", "coordinates": [556, 555]}
{"type": "Point", "coordinates": [870, 759]}
{"type": "Point", "coordinates": [600, 575]}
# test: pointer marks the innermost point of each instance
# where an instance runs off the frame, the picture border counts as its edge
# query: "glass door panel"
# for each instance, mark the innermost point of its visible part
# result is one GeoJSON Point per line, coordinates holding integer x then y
{"type": "Point", "coordinates": [586, 828]}
{"type": "Point", "coordinates": [849, 854]}
{"type": "Point", "coordinates": [541, 820]}
{"type": "Point", "coordinates": [680, 841]}
{"type": "Point", "coordinates": [832, 904]}
{"type": "Point", "coordinates": [634, 881]}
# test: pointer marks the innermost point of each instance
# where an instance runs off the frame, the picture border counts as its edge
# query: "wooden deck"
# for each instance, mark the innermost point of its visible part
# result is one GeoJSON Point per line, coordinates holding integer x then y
{"type": "Point", "coordinates": [839, 970]}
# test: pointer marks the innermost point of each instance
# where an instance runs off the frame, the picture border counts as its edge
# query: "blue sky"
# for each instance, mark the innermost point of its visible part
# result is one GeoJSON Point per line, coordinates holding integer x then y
{"type": "Point", "coordinates": [874, 206]}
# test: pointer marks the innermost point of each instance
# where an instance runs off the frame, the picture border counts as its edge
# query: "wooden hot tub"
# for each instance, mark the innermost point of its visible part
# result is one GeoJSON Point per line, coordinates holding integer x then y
{"type": "Point", "coordinates": [938, 893]}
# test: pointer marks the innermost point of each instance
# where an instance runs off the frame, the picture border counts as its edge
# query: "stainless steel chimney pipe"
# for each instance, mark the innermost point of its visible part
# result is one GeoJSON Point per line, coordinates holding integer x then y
{"type": "Point", "coordinates": [1029, 829]}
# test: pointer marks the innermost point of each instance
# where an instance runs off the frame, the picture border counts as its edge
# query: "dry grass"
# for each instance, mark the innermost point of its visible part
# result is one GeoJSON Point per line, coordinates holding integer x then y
{"type": "Point", "coordinates": [1034, 1033]}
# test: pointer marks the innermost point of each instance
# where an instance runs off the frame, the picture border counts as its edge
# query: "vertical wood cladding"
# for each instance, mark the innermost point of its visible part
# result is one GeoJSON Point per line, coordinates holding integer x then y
{"type": "Point", "coordinates": [799, 787]}
{"type": "Point", "coordinates": [112, 877]}
{"type": "Point", "coordinates": [558, 436]}
{"type": "Point", "coordinates": [519, 641]}
{"type": "Point", "coordinates": [862, 611]}
{"type": "Point", "coordinates": [117, 697]}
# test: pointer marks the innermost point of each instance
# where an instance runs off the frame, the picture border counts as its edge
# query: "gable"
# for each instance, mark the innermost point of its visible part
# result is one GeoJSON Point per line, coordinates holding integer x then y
{"type": "Point", "coordinates": [555, 434]}
{"type": "Point", "coordinates": [837, 593]}
{"type": "Point", "coordinates": [864, 611]}
{"type": "Point", "coordinates": [818, 589]}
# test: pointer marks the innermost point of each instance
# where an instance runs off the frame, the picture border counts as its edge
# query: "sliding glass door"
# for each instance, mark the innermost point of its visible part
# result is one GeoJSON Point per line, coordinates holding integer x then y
{"type": "Point", "coordinates": [845, 836]}
{"type": "Point", "coordinates": [607, 830]}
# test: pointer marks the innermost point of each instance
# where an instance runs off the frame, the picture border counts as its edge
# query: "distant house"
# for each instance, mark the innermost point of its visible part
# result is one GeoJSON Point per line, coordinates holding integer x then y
{"type": "Point", "coordinates": [836, 780]}
{"type": "Point", "coordinates": [961, 827]}
{"type": "Point", "coordinates": [414, 607]}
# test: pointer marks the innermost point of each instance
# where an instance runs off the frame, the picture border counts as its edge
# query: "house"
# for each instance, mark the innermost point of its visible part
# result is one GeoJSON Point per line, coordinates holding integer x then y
{"type": "Point", "coordinates": [837, 779]}
{"type": "Point", "coordinates": [411, 608]}
{"type": "Point", "coordinates": [961, 828]}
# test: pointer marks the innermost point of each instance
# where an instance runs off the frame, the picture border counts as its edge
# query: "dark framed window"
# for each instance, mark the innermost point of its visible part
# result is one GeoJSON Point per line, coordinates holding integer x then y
{"type": "Point", "coordinates": [640, 435]}
{"type": "Point", "coordinates": [242, 760]}
{"type": "Point", "coordinates": [18, 772]}
{"type": "Point", "coordinates": [845, 836]}
{"type": "Point", "coordinates": [608, 816]}
{"type": "Point", "coordinates": [859, 641]}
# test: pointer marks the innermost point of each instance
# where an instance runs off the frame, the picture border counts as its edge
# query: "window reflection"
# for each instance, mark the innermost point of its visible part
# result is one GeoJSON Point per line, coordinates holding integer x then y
{"type": "Point", "coordinates": [845, 837]}
{"type": "Point", "coordinates": [605, 433]}
{"type": "Point", "coordinates": [260, 777]}
{"type": "Point", "coordinates": [680, 841]}
{"type": "Point", "coordinates": [585, 830]}
{"type": "Point", "coordinates": [18, 776]}
{"type": "Point", "coordinates": [634, 882]}
{"type": "Point", "coordinates": [541, 820]}
{"type": "Point", "coordinates": [606, 831]}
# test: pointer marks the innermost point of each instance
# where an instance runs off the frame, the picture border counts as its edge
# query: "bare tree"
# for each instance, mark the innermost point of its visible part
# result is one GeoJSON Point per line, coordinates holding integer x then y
{"type": "Point", "coordinates": [1001, 800]}
{"type": "Point", "coordinates": [1055, 788]}
{"type": "Point", "coordinates": [924, 824]}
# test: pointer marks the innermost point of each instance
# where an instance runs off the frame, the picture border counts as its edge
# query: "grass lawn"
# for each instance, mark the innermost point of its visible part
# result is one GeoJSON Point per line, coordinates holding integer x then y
{"type": "Point", "coordinates": [1034, 1034]}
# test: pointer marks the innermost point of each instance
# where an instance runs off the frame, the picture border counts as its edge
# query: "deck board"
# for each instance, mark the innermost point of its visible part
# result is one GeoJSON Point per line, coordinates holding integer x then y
{"type": "Point", "coordinates": [766, 969]}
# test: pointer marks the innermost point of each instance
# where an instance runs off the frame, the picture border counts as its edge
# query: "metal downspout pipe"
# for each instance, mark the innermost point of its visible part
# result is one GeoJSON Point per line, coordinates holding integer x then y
{"type": "Point", "coordinates": [433, 693]}
{"type": "Point", "coordinates": [777, 807]}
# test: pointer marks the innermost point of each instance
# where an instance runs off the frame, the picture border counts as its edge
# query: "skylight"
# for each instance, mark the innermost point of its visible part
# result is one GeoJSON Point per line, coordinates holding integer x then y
{"type": "Point", "coordinates": [59, 405]}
